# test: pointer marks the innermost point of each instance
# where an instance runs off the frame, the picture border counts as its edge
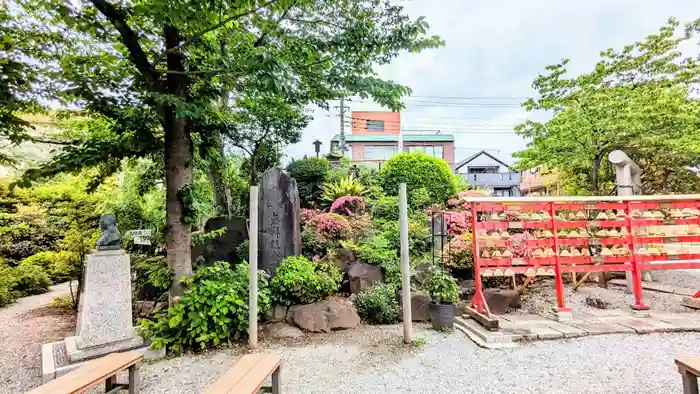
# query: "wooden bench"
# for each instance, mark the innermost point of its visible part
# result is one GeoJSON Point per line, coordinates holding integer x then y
{"type": "Point", "coordinates": [689, 369]}
{"type": "Point", "coordinates": [248, 375]}
{"type": "Point", "coordinates": [103, 370]}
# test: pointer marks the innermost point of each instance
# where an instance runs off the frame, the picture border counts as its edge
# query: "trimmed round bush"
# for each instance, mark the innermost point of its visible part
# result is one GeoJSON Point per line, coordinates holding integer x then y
{"type": "Point", "coordinates": [309, 174]}
{"type": "Point", "coordinates": [377, 304]}
{"type": "Point", "coordinates": [419, 170]}
{"type": "Point", "coordinates": [7, 283]}
{"type": "Point", "coordinates": [386, 208]}
{"type": "Point", "coordinates": [301, 281]}
{"type": "Point", "coordinates": [30, 279]}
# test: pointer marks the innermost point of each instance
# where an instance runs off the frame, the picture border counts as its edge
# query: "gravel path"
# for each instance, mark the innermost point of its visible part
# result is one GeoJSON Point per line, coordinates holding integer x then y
{"type": "Point", "coordinates": [373, 360]}
{"type": "Point", "coordinates": [24, 327]}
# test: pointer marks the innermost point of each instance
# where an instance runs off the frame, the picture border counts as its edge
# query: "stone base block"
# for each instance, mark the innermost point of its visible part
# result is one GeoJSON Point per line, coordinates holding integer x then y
{"type": "Point", "coordinates": [563, 316]}
{"type": "Point", "coordinates": [55, 361]}
{"type": "Point", "coordinates": [75, 354]}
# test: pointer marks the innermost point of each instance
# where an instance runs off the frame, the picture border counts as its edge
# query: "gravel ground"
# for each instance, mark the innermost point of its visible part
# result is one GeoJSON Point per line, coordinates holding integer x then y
{"type": "Point", "coordinates": [373, 360]}
{"type": "Point", "coordinates": [540, 298]}
{"type": "Point", "coordinates": [24, 327]}
{"type": "Point", "coordinates": [689, 279]}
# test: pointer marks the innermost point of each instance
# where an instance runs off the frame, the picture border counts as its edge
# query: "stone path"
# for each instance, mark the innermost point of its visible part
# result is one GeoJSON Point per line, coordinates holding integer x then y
{"type": "Point", "coordinates": [514, 328]}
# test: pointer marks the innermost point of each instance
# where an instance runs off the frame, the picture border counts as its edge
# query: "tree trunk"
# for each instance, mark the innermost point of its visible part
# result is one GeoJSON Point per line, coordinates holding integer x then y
{"type": "Point", "coordinates": [178, 155]}
{"type": "Point", "coordinates": [595, 173]}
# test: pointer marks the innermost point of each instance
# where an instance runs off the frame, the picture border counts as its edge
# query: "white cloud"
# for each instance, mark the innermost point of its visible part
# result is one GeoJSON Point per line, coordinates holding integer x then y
{"type": "Point", "coordinates": [496, 49]}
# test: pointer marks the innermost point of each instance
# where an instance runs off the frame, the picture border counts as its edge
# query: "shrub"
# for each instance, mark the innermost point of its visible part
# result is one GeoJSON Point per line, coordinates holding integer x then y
{"type": "Point", "coordinates": [309, 174]}
{"type": "Point", "coordinates": [7, 284]}
{"type": "Point", "coordinates": [324, 232]}
{"type": "Point", "coordinates": [376, 250]}
{"type": "Point", "coordinates": [459, 252]}
{"type": "Point", "coordinates": [243, 250]}
{"type": "Point", "coordinates": [152, 277]}
{"type": "Point", "coordinates": [349, 205]}
{"type": "Point", "coordinates": [30, 279]}
{"type": "Point", "coordinates": [419, 235]}
{"type": "Point", "coordinates": [386, 208]}
{"type": "Point", "coordinates": [419, 199]}
{"type": "Point", "coordinates": [377, 304]}
{"type": "Point", "coordinates": [213, 310]}
{"type": "Point", "coordinates": [64, 303]}
{"type": "Point", "coordinates": [419, 170]}
{"type": "Point", "coordinates": [346, 186]}
{"type": "Point", "coordinates": [300, 281]}
{"type": "Point", "coordinates": [441, 286]}
{"type": "Point", "coordinates": [61, 266]}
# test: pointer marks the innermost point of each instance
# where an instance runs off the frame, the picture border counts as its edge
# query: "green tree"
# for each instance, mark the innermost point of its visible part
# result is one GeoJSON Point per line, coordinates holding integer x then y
{"type": "Point", "coordinates": [636, 100]}
{"type": "Point", "coordinates": [157, 69]}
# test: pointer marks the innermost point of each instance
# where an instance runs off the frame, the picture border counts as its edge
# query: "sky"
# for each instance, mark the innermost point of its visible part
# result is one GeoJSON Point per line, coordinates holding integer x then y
{"type": "Point", "coordinates": [473, 86]}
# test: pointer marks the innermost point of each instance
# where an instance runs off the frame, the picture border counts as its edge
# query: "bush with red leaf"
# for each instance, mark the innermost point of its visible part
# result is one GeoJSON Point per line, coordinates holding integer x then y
{"type": "Point", "coordinates": [324, 231]}
{"type": "Point", "coordinates": [459, 253]}
{"type": "Point", "coordinates": [348, 205]}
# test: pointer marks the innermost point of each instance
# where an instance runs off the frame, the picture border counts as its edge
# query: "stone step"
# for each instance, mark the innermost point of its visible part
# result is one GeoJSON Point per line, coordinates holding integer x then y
{"type": "Point", "coordinates": [483, 337]}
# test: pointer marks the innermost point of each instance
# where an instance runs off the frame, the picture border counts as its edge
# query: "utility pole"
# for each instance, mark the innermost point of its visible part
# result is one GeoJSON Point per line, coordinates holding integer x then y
{"type": "Point", "coordinates": [342, 147]}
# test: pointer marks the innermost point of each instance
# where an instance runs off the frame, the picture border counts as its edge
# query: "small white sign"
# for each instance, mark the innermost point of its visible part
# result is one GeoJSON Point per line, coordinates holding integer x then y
{"type": "Point", "coordinates": [141, 237]}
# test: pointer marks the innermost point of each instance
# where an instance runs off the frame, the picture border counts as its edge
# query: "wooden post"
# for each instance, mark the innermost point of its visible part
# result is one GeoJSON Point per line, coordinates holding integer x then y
{"type": "Point", "coordinates": [405, 266]}
{"type": "Point", "coordinates": [253, 274]}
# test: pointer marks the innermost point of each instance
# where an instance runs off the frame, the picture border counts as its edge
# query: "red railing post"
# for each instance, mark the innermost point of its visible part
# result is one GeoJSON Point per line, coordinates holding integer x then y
{"type": "Point", "coordinates": [478, 301]}
{"type": "Point", "coordinates": [636, 274]}
{"type": "Point", "coordinates": [558, 277]}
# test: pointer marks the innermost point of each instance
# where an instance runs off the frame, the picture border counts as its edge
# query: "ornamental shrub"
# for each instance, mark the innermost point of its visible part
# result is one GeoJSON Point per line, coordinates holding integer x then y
{"type": "Point", "coordinates": [386, 208]}
{"type": "Point", "coordinates": [152, 277]}
{"type": "Point", "coordinates": [441, 286]}
{"type": "Point", "coordinates": [346, 186]}
{"type": "Point", "coordinates": [7, 283]}
{"type": "Point", "coordinates": [301, 281]}
{"type": "Point", "coordinates": [459, 252]}
{"type": "Point", "coordinates": [377, 304]}
{"type": "Point", "coordinates": [212, 311]}
{"type": "Point", "coordinates": [324, 232]}
{"type": "Point", "coordinates": [419, 170]}
{"type": "Point", "coordinates": [309, 174]}
{"type": "Point", "coordinates": [30, 279]}
{"type": "Point", "coordinates": [61, 266]}
{"type": "Point", "coordinates": [349, 205]}
{"type": "Point", "coordinates": [376, 250]}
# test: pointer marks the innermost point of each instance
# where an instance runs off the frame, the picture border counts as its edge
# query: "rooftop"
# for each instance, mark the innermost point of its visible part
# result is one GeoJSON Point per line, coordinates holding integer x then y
{"type": "Point", "coordinates": [395, 138]}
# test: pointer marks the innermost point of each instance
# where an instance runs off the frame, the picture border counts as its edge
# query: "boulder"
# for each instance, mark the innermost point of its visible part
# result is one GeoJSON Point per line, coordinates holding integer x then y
{"type": "Point", "coordinates": [467, 287]}
{"type": "Point", "coordinates": [343, 258]}
{"type": "Point", "coordinates": [500, 300]}
{"type": "Point", "coordinates": [276, 314]}
{"type": "Point", "coordinates": [363, 275]}
{"type": "Point", "coordinates": [324, 316]}
{"type": "Point", "coordinates": [597, 302]}
{"type": "Point", "coordinates": [421, 271]}
{"type": "Point", "coordinates": [420, 304]}
{"type": "Point", "coordinates": [281, 331]}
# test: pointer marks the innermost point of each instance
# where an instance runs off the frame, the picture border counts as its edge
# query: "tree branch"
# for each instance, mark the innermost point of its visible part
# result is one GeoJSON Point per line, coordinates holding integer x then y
{"type": "Point", "coordinates": [196, 36]}
{"type": "Point", "coordinates": [129, 38]}
{"type": "Point", "coordinates": [315, 22]}
{"type": "Point", "coordinates": [260, 39]}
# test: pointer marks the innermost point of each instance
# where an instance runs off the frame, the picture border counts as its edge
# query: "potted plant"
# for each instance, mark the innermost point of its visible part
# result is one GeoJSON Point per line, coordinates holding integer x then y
{"type": "Point", "coordinates": [444, 292]}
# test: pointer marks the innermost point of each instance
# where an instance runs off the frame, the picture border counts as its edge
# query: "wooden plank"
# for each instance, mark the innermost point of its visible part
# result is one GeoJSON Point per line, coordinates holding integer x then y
{"type": "Point", "coordinates": [240, 368]}
{"type": "Point", "coordinates": [690, 364]}
{"type": "Point", "coordinates": [91, 374]}
{"type": "Point", "coordinates": [251, 382]}
{"type": "Point", "coordinates": [489, 323]}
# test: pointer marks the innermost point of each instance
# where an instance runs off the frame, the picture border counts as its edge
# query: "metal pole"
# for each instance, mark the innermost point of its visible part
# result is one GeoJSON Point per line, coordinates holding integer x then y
{"type": "Point", "coordinates": [405, 267]}
{"type": "Point", "coordinates": [253, 273]}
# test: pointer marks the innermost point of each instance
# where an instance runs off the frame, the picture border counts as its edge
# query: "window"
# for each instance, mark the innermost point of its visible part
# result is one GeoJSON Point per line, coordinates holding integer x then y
{"type": "Point", "coordinates": [375, 125]}
{"type": "Point", "coordinates": [379, 152]}
{"type": "Point", "coordinates": [435, 151]}
{"type": "Point", "coordinates": [503, 192]}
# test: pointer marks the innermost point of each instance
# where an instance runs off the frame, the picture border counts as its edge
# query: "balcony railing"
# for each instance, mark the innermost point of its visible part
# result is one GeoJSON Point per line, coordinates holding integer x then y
{"type": "Point", "coordinates": [503, 179]}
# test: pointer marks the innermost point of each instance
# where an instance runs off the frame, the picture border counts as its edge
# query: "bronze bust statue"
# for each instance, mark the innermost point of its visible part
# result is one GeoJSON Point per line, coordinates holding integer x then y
{"type": "Point", "coordinates": [110, 238]}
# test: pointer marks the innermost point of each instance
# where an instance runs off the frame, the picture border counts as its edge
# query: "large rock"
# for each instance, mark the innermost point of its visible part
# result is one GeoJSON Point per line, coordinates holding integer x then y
{"type": "Point", "coordinates": [276, 314]}
{"type": "Point", "coordinates": [279, 233]}
{"type": "Point", "coordinates": [282, 331]}
{"type": "Point", "coordinates": [363, 275]}
{"type": "Point", "coordinates": [467, 287]}
{"type": "Point", "coordinates": [222, 247]}
{"type": "Point", "coordinates": [500, 301]}
{"type": "Point", "coordinates": [324, 316]}
{"type": "Point", "coordinates": [343, 259]}
{"type": "Point", "coordinates": [421, 271]}
{"type": "Point", "coordinates": [420, 304]}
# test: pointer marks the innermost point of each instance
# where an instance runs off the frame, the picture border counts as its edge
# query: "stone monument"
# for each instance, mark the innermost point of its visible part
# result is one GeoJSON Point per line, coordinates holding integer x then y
{"type": "Point", "coordinates": [104, 311]}
{"type": "Point", "coordinates": [279, 219]}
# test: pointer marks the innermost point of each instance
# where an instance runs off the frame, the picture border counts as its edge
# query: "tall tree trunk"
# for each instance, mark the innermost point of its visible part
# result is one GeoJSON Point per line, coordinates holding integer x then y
{"type": "Point", "coordinates": [178, 155]}
{"type": "Point", "coordinates": [595, 173]}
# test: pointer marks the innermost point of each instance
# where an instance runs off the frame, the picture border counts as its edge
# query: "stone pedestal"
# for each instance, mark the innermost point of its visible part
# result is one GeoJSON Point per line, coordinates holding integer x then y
{"type": "Point", "coordinates": [104, 313]}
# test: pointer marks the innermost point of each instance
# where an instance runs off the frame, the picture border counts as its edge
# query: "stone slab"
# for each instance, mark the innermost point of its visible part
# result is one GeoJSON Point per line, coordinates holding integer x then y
{"type": "Point", "coordinates": [564, 316]}
{"type": "Point", "coordinates": [568, 330]}
{"type": "Point", "coordinates": [104, 312]}
{"type": "Point", "coordinates": [603, 328]}
{"type": "Point", "coordinates": [510, 328]}
{"type": "Point", "coordinates": [684, 324]}
{"type": "Point", "coordinates": [545, 332]}
{"type": "Point", "coordinates": [76, 354]}
{"type": "Point", "coordinates": [523, 319]}
{"type": "Point", "coordinates": [691, 303]}
{"type": "Point", "coordinates": [485, 338]}
{"type": "Point", "coordinates": [606, 312]}
{"type": "Point", "coordinates": [647, 325]}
